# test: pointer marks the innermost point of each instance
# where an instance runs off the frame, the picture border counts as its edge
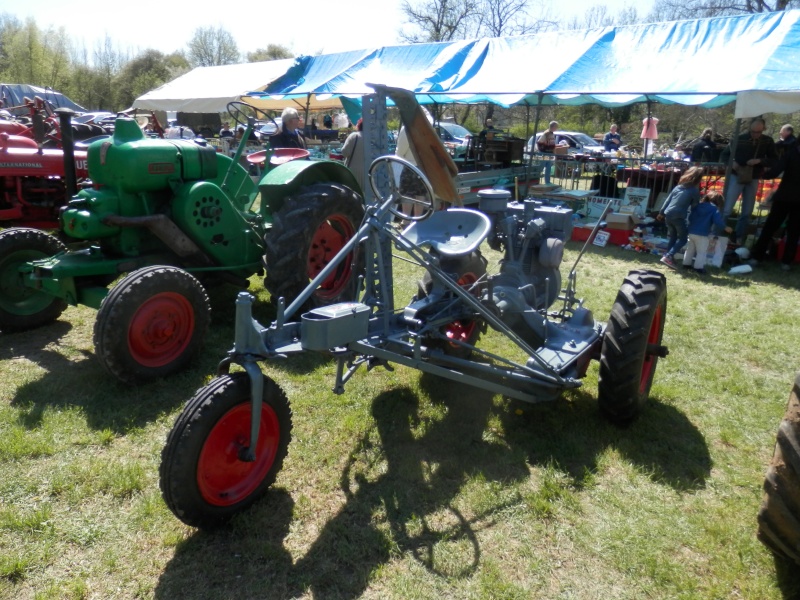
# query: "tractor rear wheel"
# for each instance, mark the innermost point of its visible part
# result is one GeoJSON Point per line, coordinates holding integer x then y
{"type": "Point", "coordinates": [151, 324]}
{"type": "Point", "coordinates": [306, 234]}
{"type": "Point", "coordinates": [22, 307]}
{"type": "Point", "coordinates": [779, 516]}
{"type": "Point", "coordinates": [467, 271]}
{"type": "Point", "coordinates": [203, 478]}
{"type": "Point", "coordinates": [631, 345]}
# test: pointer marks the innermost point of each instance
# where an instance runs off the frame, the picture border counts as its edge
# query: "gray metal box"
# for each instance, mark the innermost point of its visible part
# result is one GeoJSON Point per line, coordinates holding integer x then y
{"type": "Point", "coordinates": [334, 326]}
{"type": "Point", "coordinates": [558, 219]}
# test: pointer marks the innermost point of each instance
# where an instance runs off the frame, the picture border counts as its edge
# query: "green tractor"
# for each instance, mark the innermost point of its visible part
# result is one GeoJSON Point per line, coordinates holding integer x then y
{"type": "Point", "coordinates": [170, 217]}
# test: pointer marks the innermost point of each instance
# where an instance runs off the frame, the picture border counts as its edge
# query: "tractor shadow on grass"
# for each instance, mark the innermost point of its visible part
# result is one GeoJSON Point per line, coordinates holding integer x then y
{"type": "Point", "coordinates": [571, 434]}
{"type": "Point", "coordinates": [400, 483]}
{"type": "Point", "coordinates": [405, 481]}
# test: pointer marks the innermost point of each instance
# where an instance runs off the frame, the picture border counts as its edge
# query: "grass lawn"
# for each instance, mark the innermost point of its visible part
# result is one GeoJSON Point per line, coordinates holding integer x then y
{"type": "Point", "coordinates": [411, 487]}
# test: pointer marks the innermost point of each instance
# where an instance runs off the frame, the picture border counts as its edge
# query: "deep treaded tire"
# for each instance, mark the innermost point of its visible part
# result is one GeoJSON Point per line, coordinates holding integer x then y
{"type": "Point", "coordinates": [779, 516]}
{"type": "Point", "coordinates": [306, 234]}
{"type": "Point", "coordinates": [467, 270]}
{"type": "Point", "coordinates": [203, 480]}
{"type": "Point", "coordinates": [626, 367]}
{"type": "Point", "coordinates": [151, 324]}
{"type": "Point", "coordinates": [22, 307]}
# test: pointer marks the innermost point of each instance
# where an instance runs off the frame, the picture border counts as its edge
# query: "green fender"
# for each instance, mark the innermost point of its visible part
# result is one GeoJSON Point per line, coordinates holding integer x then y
{"type": "Point", "coordinates": [286, 179]}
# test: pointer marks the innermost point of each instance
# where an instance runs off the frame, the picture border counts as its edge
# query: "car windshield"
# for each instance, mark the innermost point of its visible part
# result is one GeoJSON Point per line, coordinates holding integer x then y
{"type": "Point", "coordinates": [455, 130]}
{"type": "Point", "coordinates": [585, 140]}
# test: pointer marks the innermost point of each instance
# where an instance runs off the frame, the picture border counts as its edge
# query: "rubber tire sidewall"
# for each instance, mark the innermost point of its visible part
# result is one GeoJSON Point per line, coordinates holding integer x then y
{"type": "Point", "coordinates": [30, 240]}
{"type": "Point", "coordinates": [779, 514]}
{"type": "Point", "coordinates": [113, 321]}
{"type": "Point", "coordinates": [180, 455]}
{"type": "Point", "coordinates": [624, 347]}
{"type": "Point", "coordinates": [289, 241]}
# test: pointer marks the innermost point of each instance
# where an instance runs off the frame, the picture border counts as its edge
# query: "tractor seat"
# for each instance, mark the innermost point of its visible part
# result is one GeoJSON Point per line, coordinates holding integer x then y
{"type": "Point", "coordinates": [452, 232]}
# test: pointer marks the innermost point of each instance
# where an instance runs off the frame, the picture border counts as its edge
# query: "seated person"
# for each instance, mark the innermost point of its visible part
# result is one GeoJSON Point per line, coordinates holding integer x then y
{"type": "Point", "coordinates": [289, 135]}
{"type": "Point", "coordinates": [488, 130]}
{"type": "Point", "coordinates": [226, 132]}
{"type": "Point", "coordinates": [612, 140]}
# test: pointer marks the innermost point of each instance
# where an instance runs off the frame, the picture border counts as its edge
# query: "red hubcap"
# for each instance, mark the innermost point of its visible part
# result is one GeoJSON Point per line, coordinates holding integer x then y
{"type": "Point", "coordinates": [222, 477]}
{"type": "Point", "coordinates": [650, 360]}
{"type": "Point", "coordinates": [461, 331]}
{"type": "Point", "coordinates": [328, 240]}
{"type": "Point", "coordinates": [161, 329]}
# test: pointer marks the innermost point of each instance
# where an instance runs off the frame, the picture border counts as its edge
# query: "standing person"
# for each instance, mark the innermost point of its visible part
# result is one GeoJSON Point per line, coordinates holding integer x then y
{"type": "Point", "coordinates": [612, 140]}
{"type": "Point", "coordinates": [703, 149]}
{"type": "Point", "coordinates": [289, 135]}
{"type": "Point", "coordinates": [786, 139]}
{"type": "Point", "coordinates": [676, 212]}
{"type": "Point", "coordinates": [353, 152]}
{"type": "Point", "coordinates": [546, 143]}
{"type": "Point", "coordinates": [704, 219]}
{"type": "Point", "coordinates": [753, 150]}
{"type": "Point", "coordinates": [785, 207]}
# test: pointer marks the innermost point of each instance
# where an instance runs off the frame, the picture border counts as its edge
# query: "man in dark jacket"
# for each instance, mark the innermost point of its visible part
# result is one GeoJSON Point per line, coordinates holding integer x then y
{"type": "Point", "coordinates": [785, 207]}
{"type": "Point", "coordinates": [289, 135]}
{"type": "Point", "coordinates": [752, 150]}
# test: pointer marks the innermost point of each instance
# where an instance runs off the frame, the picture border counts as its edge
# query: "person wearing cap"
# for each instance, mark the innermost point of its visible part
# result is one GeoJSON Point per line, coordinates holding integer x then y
{"type": "Point", "coordinates": [289, 135]}
{"type": "Point", "coordinates": [612, 140]}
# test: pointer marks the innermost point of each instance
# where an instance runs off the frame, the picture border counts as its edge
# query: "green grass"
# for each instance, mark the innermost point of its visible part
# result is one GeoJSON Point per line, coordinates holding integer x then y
{"type": "Point", "coordinates": [411, 487]}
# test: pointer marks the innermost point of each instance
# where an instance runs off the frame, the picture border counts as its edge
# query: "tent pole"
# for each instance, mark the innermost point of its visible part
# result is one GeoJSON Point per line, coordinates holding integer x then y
{"type": "Point", "coordinates": [737, 128]}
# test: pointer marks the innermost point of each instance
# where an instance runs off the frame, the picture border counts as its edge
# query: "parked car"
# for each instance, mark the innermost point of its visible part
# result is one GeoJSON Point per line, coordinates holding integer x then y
{"type": "Point", "coordinates": [92, 117]}
{"type": "Point", "coordinates": [577, 143]}
{"type": "Point", "coordinates": [454, 137]}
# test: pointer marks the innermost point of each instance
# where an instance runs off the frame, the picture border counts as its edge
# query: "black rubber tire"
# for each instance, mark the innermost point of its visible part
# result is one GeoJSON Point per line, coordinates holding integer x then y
{"type": "Point", "coordinates": [151, 324]}
{"type": "Point", "coordinates": [779, 515]}
{"type": "Point", "coordinates": [626, 367]}
{"type": "Point", "coordinates": [188, 477]}
{"type": "Point", "coordinates": [292, 255]}
{"type": "Point", "coordinates": [468, 269]}
{"type": "Point", "coordinates": [22, 307]}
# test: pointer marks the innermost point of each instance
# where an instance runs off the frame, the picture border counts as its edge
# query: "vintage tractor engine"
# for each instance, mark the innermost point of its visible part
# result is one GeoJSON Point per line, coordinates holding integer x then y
{"type": "Point", "coordinates": [532, 238]}
{"type": "Point", "coordinates": [150, 194]}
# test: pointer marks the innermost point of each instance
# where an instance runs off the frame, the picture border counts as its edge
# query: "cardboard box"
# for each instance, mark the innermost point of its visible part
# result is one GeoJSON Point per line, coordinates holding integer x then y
{"type": "Point", "coordinates": [620, 221]}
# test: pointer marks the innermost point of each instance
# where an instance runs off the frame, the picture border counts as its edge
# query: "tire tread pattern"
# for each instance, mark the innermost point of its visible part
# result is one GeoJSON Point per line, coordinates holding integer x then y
{"type": "Point", "coordinates": [293, 228]}
{"type": "Point", "coordinates": [625, 343]}
{"type": "Point", "coordinates": [779, 515]}
{"type": "Point", "coordinates": [179, 456]}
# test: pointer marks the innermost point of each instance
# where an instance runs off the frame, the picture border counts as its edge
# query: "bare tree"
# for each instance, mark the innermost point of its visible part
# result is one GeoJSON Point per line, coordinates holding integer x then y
{"type": "Point", "coordinates": [211, 47]}
{"type": "Point", "coordinates": [438, 20]}
{"type": "Point", "coordinates": [271, 52]}
{"type": "Point", "coordinates": [670, 10]}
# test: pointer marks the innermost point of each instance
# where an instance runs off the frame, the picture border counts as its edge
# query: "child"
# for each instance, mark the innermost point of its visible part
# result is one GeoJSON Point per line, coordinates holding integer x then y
{"type": "Point", "coordinates": [676, 212]}
{"type": "Point", "coordinates": [704, 218]}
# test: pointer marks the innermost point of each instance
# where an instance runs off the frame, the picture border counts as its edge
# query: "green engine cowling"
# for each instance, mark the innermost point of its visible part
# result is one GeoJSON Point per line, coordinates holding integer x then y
{"type": "Point", "coordinates": [136, 178]}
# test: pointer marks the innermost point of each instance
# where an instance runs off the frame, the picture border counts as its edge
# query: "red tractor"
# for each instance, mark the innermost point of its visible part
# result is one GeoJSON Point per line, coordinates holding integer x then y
{"type": "Point", "coordinates": [34, 182]}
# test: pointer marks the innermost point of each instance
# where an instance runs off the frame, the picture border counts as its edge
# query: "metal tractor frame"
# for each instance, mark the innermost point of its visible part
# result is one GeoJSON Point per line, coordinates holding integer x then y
{"type": "Point", "coordinates": [230, 441]}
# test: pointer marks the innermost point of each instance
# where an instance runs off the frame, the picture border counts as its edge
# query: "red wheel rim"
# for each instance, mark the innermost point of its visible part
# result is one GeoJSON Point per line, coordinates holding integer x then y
{"type": "Point", "coordinates": [329, 238]}
{"type": "Point", "coordinates": [161, 329]}
{"type": "Point", "coordinates": [222, 477]}
{"type": "Point", "coordinates": [461, 331]}
{"type": "Point", "coordinates": [650, 360]}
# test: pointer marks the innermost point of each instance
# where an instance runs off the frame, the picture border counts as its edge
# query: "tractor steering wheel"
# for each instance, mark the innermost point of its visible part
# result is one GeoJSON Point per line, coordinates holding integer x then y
{"type": "Point", "coordinates": [240, 112]}
{"type": "Point", "coordinates": [398, 194]}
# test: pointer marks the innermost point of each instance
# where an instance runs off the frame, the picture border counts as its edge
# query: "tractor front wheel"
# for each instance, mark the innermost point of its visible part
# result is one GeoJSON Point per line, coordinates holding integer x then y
{"type": "Point", "coordinates": [632, 345]}
{"type": "Point", "coordinates": [151, 324]}
{"type": "Point", "coordinates": [204, 478]}
{"type": "Point", "coordinates": [306, 234]}
{"type": "Point", "coordinates": [23, 307]}
{"type": "Point", "coordinates": [779, 516]}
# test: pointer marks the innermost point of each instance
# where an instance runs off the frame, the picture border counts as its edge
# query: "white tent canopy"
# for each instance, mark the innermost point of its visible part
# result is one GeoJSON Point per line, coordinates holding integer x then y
{"type": "Point", "coordinates": [210, 89]}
